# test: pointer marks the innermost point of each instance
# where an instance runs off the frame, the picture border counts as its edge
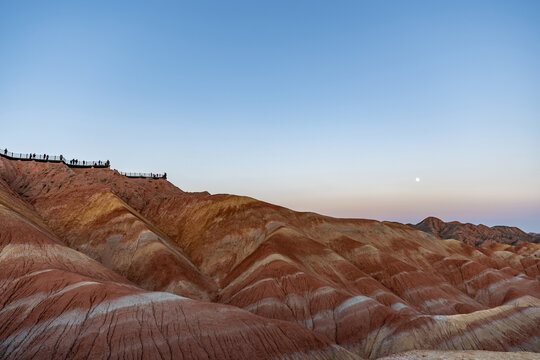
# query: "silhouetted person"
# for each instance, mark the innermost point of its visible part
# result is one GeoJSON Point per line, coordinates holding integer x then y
{"type": "Point", "coordinates": [5, 151]}
{"type": "Point", "coordinates": [165, 176]}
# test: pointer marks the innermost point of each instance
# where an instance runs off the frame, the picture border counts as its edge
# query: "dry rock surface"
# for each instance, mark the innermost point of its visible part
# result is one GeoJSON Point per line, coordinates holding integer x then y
{"type": "Point", "coordinates": [462, 355]}
{"type": "Point", "coordinates": [98, 265]}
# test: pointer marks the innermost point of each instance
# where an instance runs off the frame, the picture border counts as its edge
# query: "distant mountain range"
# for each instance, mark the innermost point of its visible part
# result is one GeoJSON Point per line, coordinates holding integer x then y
{"type": "Point", "coordinates": [476, 234]}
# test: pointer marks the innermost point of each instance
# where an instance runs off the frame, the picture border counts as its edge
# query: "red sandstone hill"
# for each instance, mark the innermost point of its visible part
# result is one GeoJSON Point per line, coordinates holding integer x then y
{"type": "Point", "coordinates": [475, 234]}
{"type": "Point", "coordinates": [97, 265]}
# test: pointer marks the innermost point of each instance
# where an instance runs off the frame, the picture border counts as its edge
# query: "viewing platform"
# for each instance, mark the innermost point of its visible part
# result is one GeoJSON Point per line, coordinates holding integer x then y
{"type": "Point", "coordinates": [75, 163]}
{"type": "Point", "coordinates": [34, 157]}
{"type": "Point", "coordinates": [54, 158]}
{"type": "Point", "coordinates": [144, 175]}
{"type": "Point", "coordinates": [87, 164]}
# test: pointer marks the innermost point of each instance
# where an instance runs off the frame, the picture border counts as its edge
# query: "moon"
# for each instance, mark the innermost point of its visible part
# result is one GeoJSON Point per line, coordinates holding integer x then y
{"type": "Point", "coordinates": [417, 179]}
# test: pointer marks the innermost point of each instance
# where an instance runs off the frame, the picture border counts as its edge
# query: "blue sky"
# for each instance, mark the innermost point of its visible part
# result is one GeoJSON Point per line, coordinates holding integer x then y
{"type": "Point", "coordinates": [332, 107]}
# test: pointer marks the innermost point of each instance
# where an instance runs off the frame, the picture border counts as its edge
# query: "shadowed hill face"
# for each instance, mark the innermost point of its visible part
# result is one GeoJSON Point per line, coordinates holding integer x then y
{"type": "Point", "coordinates": [373, 288]}
{"type": "Point", "coordinates": [474, 234]}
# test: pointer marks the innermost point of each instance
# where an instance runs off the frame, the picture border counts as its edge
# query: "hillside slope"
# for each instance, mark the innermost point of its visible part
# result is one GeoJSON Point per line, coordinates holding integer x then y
{"type": "Point", "coordinates": [339, 287]}
{"type": "Point", "coordinates": [57, 303]}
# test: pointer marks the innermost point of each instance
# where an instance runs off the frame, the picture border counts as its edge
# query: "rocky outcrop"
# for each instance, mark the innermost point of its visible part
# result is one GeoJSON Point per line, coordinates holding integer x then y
{"type": "Point", "coordinates": [474, 234]}
{"type": "Point", "coordinates": [235, 270]}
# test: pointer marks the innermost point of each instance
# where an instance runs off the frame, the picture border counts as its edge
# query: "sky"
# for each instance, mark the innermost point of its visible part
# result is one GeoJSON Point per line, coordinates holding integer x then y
{"type": "Point", "coordinates": [334, 107]}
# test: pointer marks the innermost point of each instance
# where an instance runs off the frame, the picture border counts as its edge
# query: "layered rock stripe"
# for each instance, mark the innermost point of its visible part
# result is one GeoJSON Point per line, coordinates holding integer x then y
{"type": "Point", "coordinates": [138, 267]}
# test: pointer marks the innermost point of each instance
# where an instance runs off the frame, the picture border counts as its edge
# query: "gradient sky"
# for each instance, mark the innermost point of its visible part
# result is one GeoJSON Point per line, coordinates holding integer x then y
{"type": "Point", "coordinates": [327, 106]}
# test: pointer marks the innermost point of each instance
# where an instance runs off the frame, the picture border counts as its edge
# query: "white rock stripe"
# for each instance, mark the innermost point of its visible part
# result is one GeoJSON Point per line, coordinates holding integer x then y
{"type": "Point", "coordinates": [76, 317]}
{"type": "Point", "coordinates": [262, 281]}
{"type": "Point", "coordinates": [32, 301]}
{"type": "Point", "coordinates": [267, 260]}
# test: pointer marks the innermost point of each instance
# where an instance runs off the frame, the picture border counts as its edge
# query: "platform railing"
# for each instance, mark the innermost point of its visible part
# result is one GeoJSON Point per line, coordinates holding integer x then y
{"type": "Point", "coordinates": [85, 163]}
{"type": "Point", "coordinates": [143, 175]}
{"type": "Point", "coordinates": [54, 158]}
{"type": "Point", "coordinates": [75, 163]}
{"type": "Point", "coordinates": [38, 157]}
